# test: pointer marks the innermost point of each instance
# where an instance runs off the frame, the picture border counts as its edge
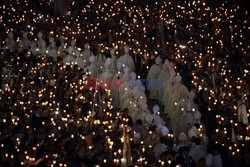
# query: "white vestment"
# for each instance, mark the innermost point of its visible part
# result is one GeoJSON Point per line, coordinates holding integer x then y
{"type": "Point", "coordinates": [153, 74]}
{"type": "Point", "coordinates": [128, 61]}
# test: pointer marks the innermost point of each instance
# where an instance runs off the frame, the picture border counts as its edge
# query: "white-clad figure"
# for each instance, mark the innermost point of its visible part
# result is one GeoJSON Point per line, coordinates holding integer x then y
{"type": "Point", "coordinates": [242, 112]}
{"type": "Point", "coordinates": [130, 103]}
{"type": "Point", "coordinates": [113, 66]}
{"type": "Point", "coordinates": [158, 121]}
{"type": "Point", "coordinates": [100, 60]}
{"type": "Point", "coordinates": [117, 81]}
{"type": "Point", "coordinates": [10, 42]}
{"type": "Point", "coordinates": [182, 138]}
{"type": "Point", "coordinates": [52, 49]}
{"type": "Point", "coordinates": [193, 131]}
{"type": "Point", "coordinates": [163, 76]}
{"type": "Point", "coordinates": [62, 49]}
{"type": "Point", "coordinates": [107, 74]}
{"type": "Point", "coordinates": [153, 74]}
{"type": "Point", "coordinates": [40, 43]}
{"type": "Point", "coordinates": [161, 147]}
{"type": "Point", "coordinates": [69, 58]}
{"type": "Point", "coordinates": [126, 78]}
{"type": "Point", "coordinates": [140, 112]}
{"type": "Point", "coordinates": [171, 95]}
{"type": "Point", "coordinates": [182, 123]}
{"type": "Point", "coordinates": [25, 43]}
{"type": "Point", "coordinates": [168, 86]}
{"type": "Point", "coordinates": [214, 160]}
{"type": "Point", "coordinates": [190, 105]}
{"type": "Point", "coordinates": [92, 67]}
{"type": "Point", "coordinates": [86, 53]}
{"type": "Point", "coordinates": [127, 60]}
{"type": "Point", "coordinates": [33, 48]}
{"type": "Point", "coordinates": [79, 60]}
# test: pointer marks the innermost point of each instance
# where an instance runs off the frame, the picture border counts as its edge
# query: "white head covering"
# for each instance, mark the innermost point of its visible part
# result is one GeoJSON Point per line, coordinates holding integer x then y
{"type": "Point", "coordinates": [92, 58]}
{"type": "Point", "coordinates": [149, 118]}
{"type": "Point", "coordinates": [40, 35]}
{"type": "Point", "coordinates": [164, 66]}
{"type": "Point", "coordinates": [158, 60]}
{"type": "Point", "coordinates": [126, 49]}
{"type": "Point", "coordinates": [191, 94]}
{"type": "Point", "coordinates": [119, 66]}
{"type": "Point", "coordinates": [73, 42]}
{"type": "Point", "coordinates": [112, 52]}
{"type": "Point", "coordinates": [164, 131]}
{"type": "Point", "coordinates": [107, 63]}
{"type": "Point", "coordinates": [77, 53]}
{"type": "Point", "coordinates": [182, 137]}
{"type": "Point", "coordinates": [51, 39]}
{"type": "Point", "coordinates": [86, 45]}
{"type": "Point", "coordinates": [172, 73]}
{"type": "Point", "coordinates": [133, 75]}
{"type": "Point", "coordinates": [156, 109]}
{"type": "Point", "coordinates": [25, 34]}
{"type": "Point", "coordinates": [71, 50]}
{"type": "Point", "coordinates": [126, 70]}
{"type": "Point", "coordinates": [178, 78]}
{"type": "Point", "coordinates": [192, 132]}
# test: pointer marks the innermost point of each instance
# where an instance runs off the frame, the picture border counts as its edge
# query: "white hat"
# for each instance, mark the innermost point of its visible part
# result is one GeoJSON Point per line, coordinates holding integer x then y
{"type": "Point", "coordinates": [92, 58]}
{"type": "Point", "coordinates": [182, 137]}
{"type": "Point", "coordinates": [156, 109]}
{"type": "Point", "coordinates": [158, 60]}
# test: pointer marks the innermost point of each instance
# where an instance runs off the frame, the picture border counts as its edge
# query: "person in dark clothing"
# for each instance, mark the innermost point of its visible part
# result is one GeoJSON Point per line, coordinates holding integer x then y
{"type": "Point", "coordinates": [184, 159]}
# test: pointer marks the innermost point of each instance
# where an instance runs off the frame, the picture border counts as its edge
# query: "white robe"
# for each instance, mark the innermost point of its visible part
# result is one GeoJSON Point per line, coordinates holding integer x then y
{"type": "Point", "coordinates": [242, 114]}
{"type": "Point", "coordinates": [92, 69]}
{"type": "Point", "coordinates": [79, 61]}
{"type": "Point", "coordinates": [106, 75]}
{"type": "Point", "coordinates": [158, 121]}
{"type": "Point", "coordinates": [153, 74]}
{"type": "Point", "coordinates": [68, 59]}
{"type": "Point", "coordinates": [159, 149]}
{"type": "Point", "coordinates": [86, 55]}
{"type": "Point", "coordinates": [213, 161]}
{"type": "Point", "coordinates": [197, 152]}
{"type": "Point", "coordinates": [128, 61]}
{"type": "Point", "coordinates": [112, 67]}
{"type": "Point", "coordinates": [163, 76]}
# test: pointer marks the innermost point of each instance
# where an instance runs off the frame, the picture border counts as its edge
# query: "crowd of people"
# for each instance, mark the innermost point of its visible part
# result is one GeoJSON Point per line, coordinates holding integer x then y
{"type": "Point", "coordinates": [49, 117]}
